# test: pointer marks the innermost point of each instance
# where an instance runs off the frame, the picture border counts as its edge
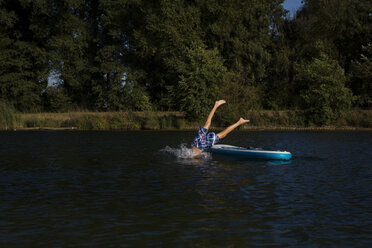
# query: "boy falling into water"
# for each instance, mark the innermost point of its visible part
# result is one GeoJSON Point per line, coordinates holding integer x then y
{"type": "Point", "coordinates": [204, 140]}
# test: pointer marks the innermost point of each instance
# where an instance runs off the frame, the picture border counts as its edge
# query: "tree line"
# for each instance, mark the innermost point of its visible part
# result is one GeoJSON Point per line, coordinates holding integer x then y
{"type": "Point", "coordinates": [111, 55]}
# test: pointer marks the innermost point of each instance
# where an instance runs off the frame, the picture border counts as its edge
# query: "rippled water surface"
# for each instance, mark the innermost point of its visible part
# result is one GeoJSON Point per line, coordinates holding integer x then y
{"type": "Point", "coordinates": [134, 189]}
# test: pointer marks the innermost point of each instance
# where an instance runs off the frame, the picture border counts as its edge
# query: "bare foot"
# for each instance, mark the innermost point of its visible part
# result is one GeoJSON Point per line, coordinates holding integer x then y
{"type": "Point", "coordinates": [219, 103]}
{"type": "Point", "coordinates": [242, 121]}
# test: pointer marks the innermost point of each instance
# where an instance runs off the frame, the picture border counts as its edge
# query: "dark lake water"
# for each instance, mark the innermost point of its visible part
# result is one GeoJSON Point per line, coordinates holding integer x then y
{"type": "Point", "coordinates": [130, 189]}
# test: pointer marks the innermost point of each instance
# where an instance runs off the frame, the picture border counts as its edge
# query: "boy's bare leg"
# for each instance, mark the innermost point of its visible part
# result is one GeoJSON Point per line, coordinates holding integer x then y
{"type": "Point", "coordinates": [232, 127]}
{"type": "Point", "coordinates": [196, 151]}
{"type": "Point", "coordinates": [211, 114]}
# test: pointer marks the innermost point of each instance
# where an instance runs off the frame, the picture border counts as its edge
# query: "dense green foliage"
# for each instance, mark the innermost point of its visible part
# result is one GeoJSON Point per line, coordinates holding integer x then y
{"type": "Point", "coordinates": [323, 94]}
{"type": "Point", "coordinates": [161, 55]}
{"type": "Point", "coordinates": [199, 77]}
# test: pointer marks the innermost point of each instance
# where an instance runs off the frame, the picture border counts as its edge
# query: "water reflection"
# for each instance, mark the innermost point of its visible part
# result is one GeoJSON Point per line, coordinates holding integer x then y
{"type": "Point", "coordinates": [279, 162]}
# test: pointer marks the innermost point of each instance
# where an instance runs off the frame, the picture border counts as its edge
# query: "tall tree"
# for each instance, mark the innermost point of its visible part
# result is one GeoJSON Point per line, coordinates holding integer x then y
{"type": "Point", "coordinates": [361, 78]}
{"type": "Point", "coordinates": [163, 31]}
{"type": "Point", "coordinates": [241, 31]}
{"type": "Point", "coordinates": [24, 34]}
{"type": "Point", "coordinates": [343, 25]}
{"type": "Point", "coordinates": [89, 45]}
{"type": "Point", "coordinates": [277, 86]}
{"type": "Point", "coordinates": [68, 50]}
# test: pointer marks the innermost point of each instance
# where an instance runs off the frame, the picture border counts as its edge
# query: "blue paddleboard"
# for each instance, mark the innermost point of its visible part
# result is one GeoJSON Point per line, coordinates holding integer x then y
{"type": "Point", "coordinates": [250, 152]}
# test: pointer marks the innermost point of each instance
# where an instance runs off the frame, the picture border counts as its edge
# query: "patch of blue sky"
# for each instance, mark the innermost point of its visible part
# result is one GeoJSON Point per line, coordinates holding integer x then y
{"type": "Point", "coordinates": [292, 6]}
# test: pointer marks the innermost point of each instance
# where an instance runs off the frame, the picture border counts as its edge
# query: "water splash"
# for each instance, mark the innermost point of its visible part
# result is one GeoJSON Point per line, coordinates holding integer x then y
{"type": "Point", "coordinates": [184, 152]}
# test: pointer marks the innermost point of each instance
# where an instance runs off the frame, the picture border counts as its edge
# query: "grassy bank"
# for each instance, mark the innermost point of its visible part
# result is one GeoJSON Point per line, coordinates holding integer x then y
{"type": "Point", "coordinates": [9, 119]}
{"type": "Point", "coordinates": [282, 120]}
{"type": "Point", "coordinates": [295, 119]}
{"type": "Point", "coordinates": [107, 120]}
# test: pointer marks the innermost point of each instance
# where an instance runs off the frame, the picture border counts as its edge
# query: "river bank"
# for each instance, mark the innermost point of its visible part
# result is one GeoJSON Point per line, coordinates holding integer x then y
{"type": "Point", "coordinates": [260, 120]}
{"type": "Point", "coordinates": [326, 128]}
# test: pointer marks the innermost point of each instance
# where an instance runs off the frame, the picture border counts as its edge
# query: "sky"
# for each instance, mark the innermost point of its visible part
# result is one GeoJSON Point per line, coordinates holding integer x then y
{"type": "Point", "coordinates": [292, 5]}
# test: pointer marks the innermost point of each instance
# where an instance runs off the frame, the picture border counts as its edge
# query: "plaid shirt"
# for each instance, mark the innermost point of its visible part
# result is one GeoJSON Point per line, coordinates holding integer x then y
{"type": "Point", "coordinates": [204, 140]}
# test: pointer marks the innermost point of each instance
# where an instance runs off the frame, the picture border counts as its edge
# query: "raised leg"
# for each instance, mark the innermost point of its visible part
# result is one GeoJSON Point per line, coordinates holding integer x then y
{"type": "Point", "coordinates": [232, 127]}
{"type": "Point", "coordinates": [211, 114]}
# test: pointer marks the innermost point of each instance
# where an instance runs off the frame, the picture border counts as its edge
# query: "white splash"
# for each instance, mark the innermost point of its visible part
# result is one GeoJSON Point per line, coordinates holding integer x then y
{"type": "Point", "coordinates": [184, 152]}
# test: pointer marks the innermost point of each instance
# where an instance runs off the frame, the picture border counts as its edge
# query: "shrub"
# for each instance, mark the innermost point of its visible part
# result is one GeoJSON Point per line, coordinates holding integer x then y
{"type": "Point", "coordinates": [8, 117]}
{"type": "Point", "coordinates": [167, 121]}
{"type": "Point", "coordinates": [199, 74]}
{"type": "Point", "coordinates": [118, 122]}
{"type": "Point", "coordinates": [135, 97]}
{"type": "Point", "coordinates": [133, 121]}
{"type": "Point", "coordinates": [56, 100]}
{"type": "Point", "coordinates": [323, 95]}
{"type": "Point", "coordinates": [296, 118]}
{"type": "Point", "coordinates": [47, 122]}
{"type": "Point", "coordinates": [92, 122]}
{"type": "Point", "coordinates": [180, 123]}
{"type": "Point", "coordinates": [241, 96]}
{"type": "Point", "coordinates": [151, 122]}
{"type": "Point", "coordinates": [358, 118]}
